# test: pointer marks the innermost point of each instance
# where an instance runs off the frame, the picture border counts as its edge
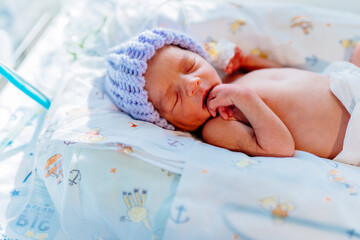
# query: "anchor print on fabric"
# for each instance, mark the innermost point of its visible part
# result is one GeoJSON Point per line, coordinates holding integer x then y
{"type": "Point", "coordinates": [180, 218]}
{"type": "Point", "coordinates": [75, 177]}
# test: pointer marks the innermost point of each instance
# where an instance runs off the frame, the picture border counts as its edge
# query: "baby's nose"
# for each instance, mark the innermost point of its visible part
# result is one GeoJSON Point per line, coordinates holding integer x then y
{"type": "Point", "coordinates": [192, 86]}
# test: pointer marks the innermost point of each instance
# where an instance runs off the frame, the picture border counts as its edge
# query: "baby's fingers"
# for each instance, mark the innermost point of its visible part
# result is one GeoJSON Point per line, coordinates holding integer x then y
{"type": "Point", "coordinates": [216, 103]}
{"type": "Point", "coordinates": [212, 112]}
{"type": "Point", "coordinates": [212, 106]}
{"type": "Point", "coordinates": [223, 113]}
{"type": "Point", "coordinates": [229, 111]}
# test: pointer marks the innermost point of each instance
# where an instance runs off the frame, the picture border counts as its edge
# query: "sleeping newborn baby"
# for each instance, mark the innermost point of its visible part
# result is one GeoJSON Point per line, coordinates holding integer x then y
{"type": "Point", "coordinates": [162, 77]}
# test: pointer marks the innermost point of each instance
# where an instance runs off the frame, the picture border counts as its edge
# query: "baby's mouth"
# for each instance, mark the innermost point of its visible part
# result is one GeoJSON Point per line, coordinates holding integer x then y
{"type": "Point", "coordinates": [205, 97]}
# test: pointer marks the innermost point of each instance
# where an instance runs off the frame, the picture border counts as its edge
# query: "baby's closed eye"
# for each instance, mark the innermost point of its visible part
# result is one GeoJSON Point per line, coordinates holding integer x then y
{"type": "Point", "coordinates": [176, 100]}
{"type": "Point", "coordinates": [190, 66]}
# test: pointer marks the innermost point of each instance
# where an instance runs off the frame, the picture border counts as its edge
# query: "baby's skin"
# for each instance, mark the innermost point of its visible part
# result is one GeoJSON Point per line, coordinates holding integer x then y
{"type": "Point", "coordinates": [267, 112]}
{"type": "Point", "coordinates": [278, 111]}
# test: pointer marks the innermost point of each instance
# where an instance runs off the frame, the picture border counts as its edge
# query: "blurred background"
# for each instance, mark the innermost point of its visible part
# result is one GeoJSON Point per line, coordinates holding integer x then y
{"type": "Point", "coordinates": [19, 18]}
{"type": "Point", "coordinates": [21, 24]}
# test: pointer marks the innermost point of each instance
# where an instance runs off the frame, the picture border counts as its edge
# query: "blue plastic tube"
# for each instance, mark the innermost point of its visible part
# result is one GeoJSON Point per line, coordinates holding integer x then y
{"type": "Point", "coordinates": [24, 86]}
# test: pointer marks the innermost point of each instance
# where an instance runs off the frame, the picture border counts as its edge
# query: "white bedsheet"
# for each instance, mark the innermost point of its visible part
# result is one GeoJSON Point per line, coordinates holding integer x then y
{"type": "Point", "coordinates": [111, 177]}
{"type": "Point", "coordinates": [225, 195]}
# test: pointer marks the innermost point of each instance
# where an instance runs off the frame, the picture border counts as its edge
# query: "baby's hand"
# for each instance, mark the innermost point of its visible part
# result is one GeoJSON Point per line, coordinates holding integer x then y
{"type": "Point", "coordinates": [236, 61]}
{"type": "Point", "coordinates": [220, 100]}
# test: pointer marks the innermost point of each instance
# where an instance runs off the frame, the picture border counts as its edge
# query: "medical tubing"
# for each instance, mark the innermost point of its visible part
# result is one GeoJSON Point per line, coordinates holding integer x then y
{"type": "Point", "coordinates": [24, 86]}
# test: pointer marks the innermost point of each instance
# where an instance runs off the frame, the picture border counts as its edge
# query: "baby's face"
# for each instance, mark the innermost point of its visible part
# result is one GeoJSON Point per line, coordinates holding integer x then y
{"type": "Point", "coordinates": [177, 82]}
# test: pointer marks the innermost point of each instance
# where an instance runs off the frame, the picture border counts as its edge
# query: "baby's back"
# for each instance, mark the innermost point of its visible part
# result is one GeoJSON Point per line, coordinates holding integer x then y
{"type": "Point", "coordinates": [304, 102]}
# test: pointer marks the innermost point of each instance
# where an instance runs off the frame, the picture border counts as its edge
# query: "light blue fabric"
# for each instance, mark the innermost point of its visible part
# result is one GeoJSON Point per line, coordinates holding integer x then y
{"type": "Point", "coordinates": [228, 195]}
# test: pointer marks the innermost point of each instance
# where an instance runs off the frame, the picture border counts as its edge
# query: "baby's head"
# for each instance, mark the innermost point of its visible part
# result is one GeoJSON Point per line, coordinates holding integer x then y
{"type": "Point", "coordinates": [161, 77]}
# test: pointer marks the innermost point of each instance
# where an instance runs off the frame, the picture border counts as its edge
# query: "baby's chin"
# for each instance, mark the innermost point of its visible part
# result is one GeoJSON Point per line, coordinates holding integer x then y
{"type": "Point", "coordinates": [191, 127]}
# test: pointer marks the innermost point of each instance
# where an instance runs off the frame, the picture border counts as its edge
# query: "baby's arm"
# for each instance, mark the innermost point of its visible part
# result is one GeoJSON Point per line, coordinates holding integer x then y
{"type": "Point", "coordinates": [248, 62]}
{"type": "Point", "coordinates": [266, 134]}
{"type": "Point", "coordinates": [228, 57]}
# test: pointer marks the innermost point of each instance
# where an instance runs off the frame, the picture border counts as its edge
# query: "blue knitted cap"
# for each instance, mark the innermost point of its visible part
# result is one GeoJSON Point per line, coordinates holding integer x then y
{"type": "Point", "coordinates": [126, 65]}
